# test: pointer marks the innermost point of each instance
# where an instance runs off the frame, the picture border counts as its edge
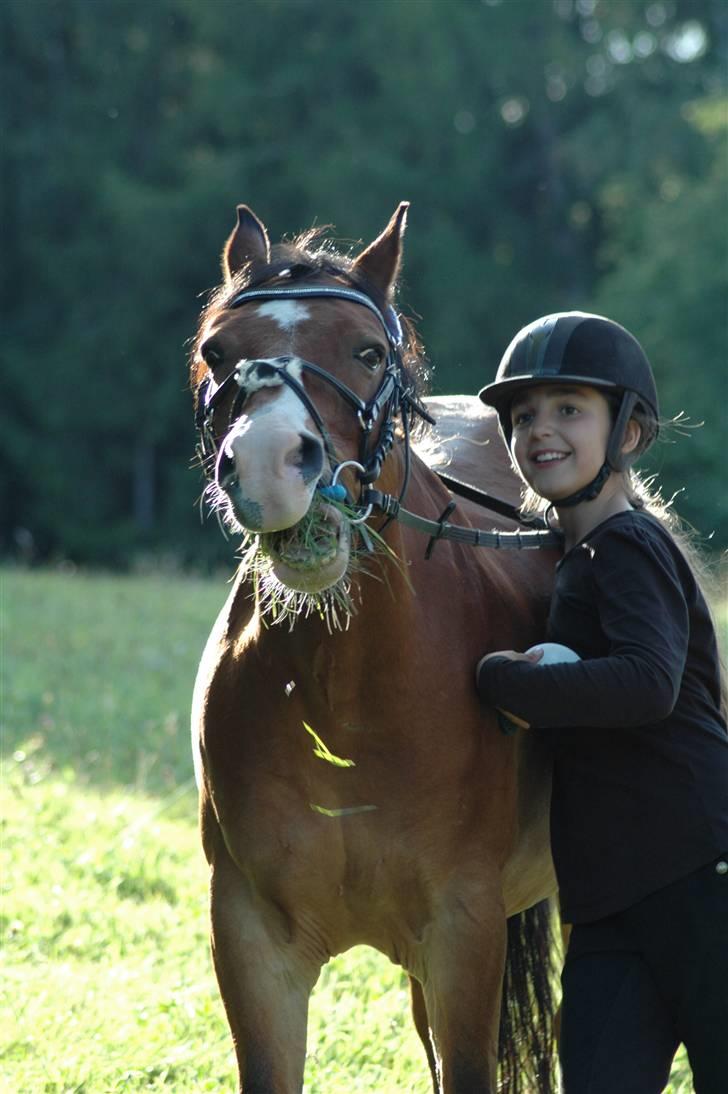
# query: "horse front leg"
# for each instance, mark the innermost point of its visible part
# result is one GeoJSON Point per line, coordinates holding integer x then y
{"type": "Point", "coordinates": [419, 1015]}
{"type": "Point", "coordinates": [265, 983]}
{"type": "Point", "coordinates": [462, 986]}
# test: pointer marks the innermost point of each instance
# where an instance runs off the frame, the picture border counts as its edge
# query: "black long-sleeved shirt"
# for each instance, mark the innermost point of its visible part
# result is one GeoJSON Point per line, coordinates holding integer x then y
{"type": "Point", "coordinates": [640, 746]}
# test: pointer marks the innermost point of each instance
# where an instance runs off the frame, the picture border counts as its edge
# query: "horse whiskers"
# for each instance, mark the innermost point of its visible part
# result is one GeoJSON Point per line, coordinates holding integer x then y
{"type": "Point", "coordinates": [208, 502]}
{"type": "Point", "coordinates": [217, 502]}
{"type": "Point", "coordinates": [278, 603]}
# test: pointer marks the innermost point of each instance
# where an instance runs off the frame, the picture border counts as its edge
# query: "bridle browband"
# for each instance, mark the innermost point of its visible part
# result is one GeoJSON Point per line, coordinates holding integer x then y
{"type": "Point", "coordinates": [392, 399]}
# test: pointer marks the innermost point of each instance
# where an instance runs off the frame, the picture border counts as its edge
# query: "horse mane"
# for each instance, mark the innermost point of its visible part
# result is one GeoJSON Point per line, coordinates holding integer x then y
{"type": "Point", "coordinates": [309, 257]}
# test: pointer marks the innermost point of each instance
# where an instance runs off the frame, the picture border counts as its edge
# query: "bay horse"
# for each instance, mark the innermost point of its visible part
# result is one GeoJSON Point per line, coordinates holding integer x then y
{"type": "Point", "coordinates": [352, 789]}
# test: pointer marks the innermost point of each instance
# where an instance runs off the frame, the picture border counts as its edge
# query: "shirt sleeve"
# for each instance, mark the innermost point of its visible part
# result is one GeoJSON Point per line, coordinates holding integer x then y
{"type": "Point", "coordinates": [644, 618]}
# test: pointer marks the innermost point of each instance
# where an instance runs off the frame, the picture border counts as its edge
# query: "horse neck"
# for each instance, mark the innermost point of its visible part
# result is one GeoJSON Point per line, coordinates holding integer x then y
{"type": "Point", "coordinates": [397, 592]}
{"type": "Point", "coordinates": [458, 577]}
{"type": "Point", "coordinates": [408, 577]}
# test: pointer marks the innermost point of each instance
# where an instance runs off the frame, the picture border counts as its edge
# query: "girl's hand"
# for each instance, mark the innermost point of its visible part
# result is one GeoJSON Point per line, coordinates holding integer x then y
{"type": "Point", "coordinates": [512, 721]}
{"type": "Point", "coordinates": [512, 655]}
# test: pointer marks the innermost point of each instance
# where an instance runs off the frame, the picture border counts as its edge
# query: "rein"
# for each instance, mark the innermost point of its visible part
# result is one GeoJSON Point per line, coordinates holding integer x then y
{"type": "Point", "coordinates": [473, 537]}
{"type": "Point", "coordinates": [391, 398]}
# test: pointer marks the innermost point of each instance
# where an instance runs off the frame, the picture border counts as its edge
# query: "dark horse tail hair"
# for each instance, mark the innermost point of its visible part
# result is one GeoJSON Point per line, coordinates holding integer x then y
{"type": "Point", "coordinates": [527, 1043]}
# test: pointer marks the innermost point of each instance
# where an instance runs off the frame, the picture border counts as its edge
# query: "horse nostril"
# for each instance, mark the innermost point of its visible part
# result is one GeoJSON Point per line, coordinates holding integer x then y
{"type": "Point", "coordinates": [311, 457]}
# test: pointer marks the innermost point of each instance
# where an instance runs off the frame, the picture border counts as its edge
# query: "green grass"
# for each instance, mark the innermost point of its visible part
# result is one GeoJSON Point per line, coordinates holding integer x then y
{"type": "Point", "coordinates": [107, 983]}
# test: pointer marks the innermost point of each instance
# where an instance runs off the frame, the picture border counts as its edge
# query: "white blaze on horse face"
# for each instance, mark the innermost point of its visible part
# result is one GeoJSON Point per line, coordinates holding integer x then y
{"type": "Point", "coordinates": [273, 488]}
{"type": "Point", "coordinates": [286, 313]}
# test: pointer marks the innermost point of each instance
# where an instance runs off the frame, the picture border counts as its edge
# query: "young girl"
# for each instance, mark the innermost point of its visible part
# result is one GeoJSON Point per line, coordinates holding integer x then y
{"type": "Point", "coordinates": [639, 816]}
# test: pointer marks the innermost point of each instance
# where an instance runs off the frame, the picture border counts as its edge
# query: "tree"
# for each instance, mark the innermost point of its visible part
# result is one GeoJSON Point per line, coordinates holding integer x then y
{"type": "Point", "coordinates": [539, 144]}
{"type": "Point", "coordinates": [670, 287]}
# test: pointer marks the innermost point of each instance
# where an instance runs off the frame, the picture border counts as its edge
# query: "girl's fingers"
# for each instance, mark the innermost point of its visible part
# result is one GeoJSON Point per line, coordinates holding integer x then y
{"type": "Point", "coordinates": [511, 655]}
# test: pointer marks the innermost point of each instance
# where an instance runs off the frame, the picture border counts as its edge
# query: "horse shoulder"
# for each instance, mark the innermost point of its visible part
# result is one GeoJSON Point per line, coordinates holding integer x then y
{"type": "Point", "coordinates": [234, 627]}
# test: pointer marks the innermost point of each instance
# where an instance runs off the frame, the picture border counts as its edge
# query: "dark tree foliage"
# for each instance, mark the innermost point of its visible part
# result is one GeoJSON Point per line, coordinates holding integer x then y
{"type": "Point", "coordinates": [557, 154]}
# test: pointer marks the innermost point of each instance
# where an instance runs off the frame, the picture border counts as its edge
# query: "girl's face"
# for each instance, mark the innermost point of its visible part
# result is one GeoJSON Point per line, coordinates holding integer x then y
{"type": "Point", "coordinates": [560, 436]}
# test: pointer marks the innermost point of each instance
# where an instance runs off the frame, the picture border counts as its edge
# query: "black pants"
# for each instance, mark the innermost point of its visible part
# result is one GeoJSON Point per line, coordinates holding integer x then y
{"type": "Point", "coordinates": [639, 983]}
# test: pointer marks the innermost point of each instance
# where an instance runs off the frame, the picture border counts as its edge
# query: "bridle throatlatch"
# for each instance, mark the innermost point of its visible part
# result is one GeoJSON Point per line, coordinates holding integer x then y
{"type": "Point", "coordinates": [392, 400]}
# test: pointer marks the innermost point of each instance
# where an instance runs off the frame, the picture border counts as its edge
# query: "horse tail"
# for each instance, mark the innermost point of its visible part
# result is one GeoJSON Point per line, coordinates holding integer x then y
{"type": "Point", "coordinates": [527, 1043]}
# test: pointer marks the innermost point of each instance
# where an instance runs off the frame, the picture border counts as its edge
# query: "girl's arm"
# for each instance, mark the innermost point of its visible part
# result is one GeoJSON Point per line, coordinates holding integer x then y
{"type": "Point", "coordinates": [644, 619]}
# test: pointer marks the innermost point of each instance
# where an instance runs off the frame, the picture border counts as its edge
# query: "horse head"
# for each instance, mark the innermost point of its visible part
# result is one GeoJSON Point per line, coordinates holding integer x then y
{"type": "Point", "coordinates": [304, 380]}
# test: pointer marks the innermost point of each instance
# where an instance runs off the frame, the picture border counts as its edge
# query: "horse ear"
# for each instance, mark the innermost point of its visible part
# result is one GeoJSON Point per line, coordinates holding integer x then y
{"type": "Point", "coordinates": [248, 243]}
{"type": "Point", "coordinates": [381, 260]}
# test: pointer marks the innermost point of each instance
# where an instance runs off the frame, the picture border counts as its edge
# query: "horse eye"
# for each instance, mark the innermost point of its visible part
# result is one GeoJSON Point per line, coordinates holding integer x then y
{"type": "Point", "coordinates": [372, 357]}
{"type": "Point", "coordinates": [212, 354]}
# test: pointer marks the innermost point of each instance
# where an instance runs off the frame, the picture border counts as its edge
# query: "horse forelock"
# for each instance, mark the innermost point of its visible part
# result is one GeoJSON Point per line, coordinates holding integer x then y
{"type": "Point", "coordinates": [311, 259]}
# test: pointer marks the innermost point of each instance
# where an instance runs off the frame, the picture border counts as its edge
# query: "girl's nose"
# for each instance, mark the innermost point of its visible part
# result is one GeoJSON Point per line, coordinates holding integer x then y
{"type": "Point", "coordinates": [542, 425]}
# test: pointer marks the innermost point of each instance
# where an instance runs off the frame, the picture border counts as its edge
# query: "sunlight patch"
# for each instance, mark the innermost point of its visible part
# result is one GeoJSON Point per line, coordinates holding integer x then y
{"type": "Point", "coordinates": [324, 752]}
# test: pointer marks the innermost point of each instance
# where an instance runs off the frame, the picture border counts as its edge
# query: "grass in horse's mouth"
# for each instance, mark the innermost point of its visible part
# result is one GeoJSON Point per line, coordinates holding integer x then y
{"type": "Point", "coordinates": [311, 543]}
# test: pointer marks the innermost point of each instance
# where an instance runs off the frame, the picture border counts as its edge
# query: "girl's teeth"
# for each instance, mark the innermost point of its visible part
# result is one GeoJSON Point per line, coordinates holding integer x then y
{"type": "Point", "coordinates": [549, 457]}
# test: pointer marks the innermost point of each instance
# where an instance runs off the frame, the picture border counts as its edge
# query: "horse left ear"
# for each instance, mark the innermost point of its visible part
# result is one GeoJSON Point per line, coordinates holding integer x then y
{"type": "Point", "coordinates": [381, 260]}
{"type": "Point", "coordinates": [248, 242]}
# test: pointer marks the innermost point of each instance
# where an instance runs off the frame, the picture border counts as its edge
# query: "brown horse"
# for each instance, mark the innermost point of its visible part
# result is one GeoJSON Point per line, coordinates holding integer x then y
{"type": "Point", "coordinates": [352, 788]}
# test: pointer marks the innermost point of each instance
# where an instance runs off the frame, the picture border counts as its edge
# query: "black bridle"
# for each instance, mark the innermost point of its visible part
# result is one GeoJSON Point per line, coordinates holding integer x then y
{"type": "Point", "coordinates": [392, 400]}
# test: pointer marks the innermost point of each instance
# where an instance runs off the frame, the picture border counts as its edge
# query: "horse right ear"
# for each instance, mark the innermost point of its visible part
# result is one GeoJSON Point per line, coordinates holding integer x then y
{"type": "Point", "coordinates": [248, 243]}
{"type": "Point", "coordinates": [380, 262]}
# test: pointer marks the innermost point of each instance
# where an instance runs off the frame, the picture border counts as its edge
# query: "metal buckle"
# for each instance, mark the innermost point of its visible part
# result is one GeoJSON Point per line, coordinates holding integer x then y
{"type": "Point", "coordinates": [335, 478]}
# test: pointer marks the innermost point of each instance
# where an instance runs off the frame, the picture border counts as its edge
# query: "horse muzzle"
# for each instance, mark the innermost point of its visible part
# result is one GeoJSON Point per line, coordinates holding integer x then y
{"type": "Point", "coordinates": [269, 479]}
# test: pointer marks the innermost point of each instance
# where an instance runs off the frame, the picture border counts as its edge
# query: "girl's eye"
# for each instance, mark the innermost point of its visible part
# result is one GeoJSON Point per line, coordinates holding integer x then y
{"type": "Point", "coordinates": [522, 417]}
{"type": "Point", "coordinates": [372, 357]}
{"type": "Point", "coordinates": [567, 409]}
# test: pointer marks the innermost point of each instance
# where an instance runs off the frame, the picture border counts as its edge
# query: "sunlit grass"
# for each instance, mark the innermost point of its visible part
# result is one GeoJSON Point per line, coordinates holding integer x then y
{"type": "Point", "coordinates": [108, 983]}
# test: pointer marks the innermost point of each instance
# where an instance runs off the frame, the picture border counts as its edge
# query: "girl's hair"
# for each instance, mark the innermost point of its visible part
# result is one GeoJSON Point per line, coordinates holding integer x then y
{"type": "Point", "coordinates": [643, 493]}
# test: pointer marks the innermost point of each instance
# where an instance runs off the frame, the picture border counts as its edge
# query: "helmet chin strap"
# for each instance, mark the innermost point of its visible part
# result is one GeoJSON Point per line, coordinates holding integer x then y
{"type": "Point", "coordinates": [588, 492]}
{"type": "Point", "coordinates": [614, 460]}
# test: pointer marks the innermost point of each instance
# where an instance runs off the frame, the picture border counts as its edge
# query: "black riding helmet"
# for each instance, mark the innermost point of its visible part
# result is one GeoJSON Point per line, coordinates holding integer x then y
{"type": "Point", "coordinates": [578, 348]}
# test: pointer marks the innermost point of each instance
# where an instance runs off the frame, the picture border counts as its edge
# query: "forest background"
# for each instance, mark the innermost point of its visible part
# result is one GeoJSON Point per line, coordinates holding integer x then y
{"type": "Point", "coordinates": [557, 153]}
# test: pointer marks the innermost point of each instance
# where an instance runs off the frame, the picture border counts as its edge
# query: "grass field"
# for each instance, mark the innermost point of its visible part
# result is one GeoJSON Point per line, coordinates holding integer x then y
{"type": "Point", "coordinates": [108, 984]}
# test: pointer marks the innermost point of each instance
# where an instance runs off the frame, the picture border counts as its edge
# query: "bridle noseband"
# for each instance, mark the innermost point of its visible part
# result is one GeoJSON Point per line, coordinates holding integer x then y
{"type": "Point", "coordinates": [392, 398]}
